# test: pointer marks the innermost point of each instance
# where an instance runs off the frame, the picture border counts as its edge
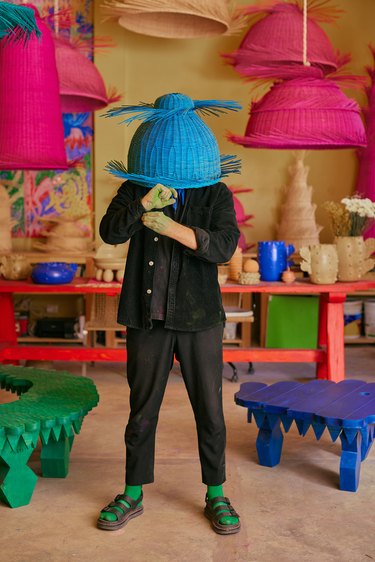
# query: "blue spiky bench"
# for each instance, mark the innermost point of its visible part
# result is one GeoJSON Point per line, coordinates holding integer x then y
{"type": "Point", "coordinates": [346, 408]}
{"type": "Point", "coordinates": [52, 406]}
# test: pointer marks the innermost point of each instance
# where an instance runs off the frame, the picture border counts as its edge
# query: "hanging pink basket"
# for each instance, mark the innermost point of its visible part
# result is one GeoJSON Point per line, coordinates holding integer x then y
{"type": "Point", "coordinates": [81, 86]}
{"type": "Point", "coordinates": [273, 46]}
{"type": "Point", "coordinates": [31, 126]}
{"type": "Point", "coordinates": [304, 113]}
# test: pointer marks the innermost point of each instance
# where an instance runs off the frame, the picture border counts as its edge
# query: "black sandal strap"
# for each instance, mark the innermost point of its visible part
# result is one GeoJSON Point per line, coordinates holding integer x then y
{"type": "Point", "coordinates": [223, 510]}
{"type": "Point", "coordinates": [118, 508]}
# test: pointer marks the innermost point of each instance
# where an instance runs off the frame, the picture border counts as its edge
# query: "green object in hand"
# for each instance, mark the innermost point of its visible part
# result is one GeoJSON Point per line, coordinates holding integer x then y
{"type": "Point", "coordinates": [159, 197]}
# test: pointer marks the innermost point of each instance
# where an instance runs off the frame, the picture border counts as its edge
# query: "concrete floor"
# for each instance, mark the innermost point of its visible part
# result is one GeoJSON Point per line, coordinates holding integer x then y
{"type": "Point", "coordinates": [291, 513]}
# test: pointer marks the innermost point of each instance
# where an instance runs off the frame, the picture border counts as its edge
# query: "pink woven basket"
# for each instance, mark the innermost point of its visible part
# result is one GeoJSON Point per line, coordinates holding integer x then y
{"type": "Point", "coordinates": [304, 113]}
{"type": "Point", "coordinates": [274, 44]}
{"type": "Point", "coordinates": [31, 126]}
{"type": "Point", "coordinates": [81, 86]}
{"type": "Point", "coordinates": [366, 170]}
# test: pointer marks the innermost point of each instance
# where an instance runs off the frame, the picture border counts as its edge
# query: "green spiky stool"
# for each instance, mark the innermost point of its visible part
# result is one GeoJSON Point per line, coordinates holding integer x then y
{"type": "Point", "coordinates": [52, 406]}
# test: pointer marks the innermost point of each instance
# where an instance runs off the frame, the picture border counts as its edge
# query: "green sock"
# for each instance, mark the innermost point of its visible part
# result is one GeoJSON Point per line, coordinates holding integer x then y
{"type": "Point", "coordinates": [133, 492]}
{"type": "Point", "coordinates": [217, 491]}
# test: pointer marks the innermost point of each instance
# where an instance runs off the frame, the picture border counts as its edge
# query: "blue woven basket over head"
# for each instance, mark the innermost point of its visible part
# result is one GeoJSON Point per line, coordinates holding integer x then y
{"type": "Point", "coordinates": [173, 146]}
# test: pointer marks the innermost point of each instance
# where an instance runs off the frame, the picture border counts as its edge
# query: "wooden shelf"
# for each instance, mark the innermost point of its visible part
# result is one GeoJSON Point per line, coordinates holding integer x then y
{"type": "Point", "coordinates": [36, 339]}
{"type": "Point", "coordinates": [239, 320]}
{"type": "Point", "coordinates": [358, 341]}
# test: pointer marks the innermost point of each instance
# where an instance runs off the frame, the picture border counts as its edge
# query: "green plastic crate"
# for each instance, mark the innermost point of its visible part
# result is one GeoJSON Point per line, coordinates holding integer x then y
{"type": "Point", "coordinates": [292, 322]}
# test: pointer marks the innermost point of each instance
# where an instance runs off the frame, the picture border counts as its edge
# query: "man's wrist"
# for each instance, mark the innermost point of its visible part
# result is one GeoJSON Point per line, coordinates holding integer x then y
{"type": "Point", "coordinates": [146, 204]}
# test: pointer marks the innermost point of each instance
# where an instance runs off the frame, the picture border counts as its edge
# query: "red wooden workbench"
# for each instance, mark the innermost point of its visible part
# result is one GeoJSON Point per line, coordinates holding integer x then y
{"type": "Point", "coordinates": [329, 356]}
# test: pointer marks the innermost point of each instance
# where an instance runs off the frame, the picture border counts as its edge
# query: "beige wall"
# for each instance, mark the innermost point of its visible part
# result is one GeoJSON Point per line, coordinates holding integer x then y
{"type": "Point", "coordinates": [144, 68]}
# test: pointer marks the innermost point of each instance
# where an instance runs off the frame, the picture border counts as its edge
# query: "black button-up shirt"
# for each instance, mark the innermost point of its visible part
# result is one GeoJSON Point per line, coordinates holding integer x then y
{"type": "Point", "coordinates": [194, 298]}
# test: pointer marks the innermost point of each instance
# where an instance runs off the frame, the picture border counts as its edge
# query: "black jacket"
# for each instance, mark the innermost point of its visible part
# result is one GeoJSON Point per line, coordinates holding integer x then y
{"type": "Point", "coordinates": [194, 298]}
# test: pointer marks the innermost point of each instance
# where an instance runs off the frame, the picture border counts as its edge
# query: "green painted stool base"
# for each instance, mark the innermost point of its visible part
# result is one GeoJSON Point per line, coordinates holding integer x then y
{"type": "Point", "coordinates": [54, 458]}
{"type": "Point", "coordinates": [51, 407]}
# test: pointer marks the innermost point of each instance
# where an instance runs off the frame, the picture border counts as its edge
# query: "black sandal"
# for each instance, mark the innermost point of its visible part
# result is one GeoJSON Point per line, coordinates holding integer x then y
{"type": "Point", "coordinates": [122, 516]}
{"type": "Point", "coordinates": [214, 514]}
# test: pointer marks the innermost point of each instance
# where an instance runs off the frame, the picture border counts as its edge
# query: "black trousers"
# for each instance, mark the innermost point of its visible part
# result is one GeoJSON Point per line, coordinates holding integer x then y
{"type": "Point", "coordinates": [150, 359]}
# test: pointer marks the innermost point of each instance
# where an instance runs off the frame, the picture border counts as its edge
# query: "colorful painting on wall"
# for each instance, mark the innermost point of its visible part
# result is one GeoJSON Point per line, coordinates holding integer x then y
{"type": "Point", "coordinates": [37, 196]}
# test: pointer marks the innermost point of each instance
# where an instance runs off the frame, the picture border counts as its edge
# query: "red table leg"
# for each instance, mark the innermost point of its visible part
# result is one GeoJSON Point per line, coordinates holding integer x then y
{"type": "Point", "coordinates": [8, 334]}
{"type": "Point", "coordinates": [333, 332]}
{"type": "Point", "coordinates": [322, 368]}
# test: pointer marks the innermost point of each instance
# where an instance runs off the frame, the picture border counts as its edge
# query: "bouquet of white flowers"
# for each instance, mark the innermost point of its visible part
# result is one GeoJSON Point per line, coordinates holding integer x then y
{"type": "Point", "coordinates": [352, 216]}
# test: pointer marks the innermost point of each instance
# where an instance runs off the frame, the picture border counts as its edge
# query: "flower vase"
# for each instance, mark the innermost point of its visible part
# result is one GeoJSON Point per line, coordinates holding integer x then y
{"type": "Point", "coordinates": [354, 256]}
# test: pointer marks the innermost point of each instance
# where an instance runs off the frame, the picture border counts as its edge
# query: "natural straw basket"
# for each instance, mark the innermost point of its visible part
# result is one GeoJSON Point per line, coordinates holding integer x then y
{"type": "Point", "coordinates": [304, 113]}
{"type": "Point", "coordinates": [103, 313]}
{"type": "Point", "coordinates": [178, 19]}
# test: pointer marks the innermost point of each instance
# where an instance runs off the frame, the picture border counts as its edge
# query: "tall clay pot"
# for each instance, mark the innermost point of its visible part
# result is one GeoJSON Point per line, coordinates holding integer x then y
{"type": "Point", "coordinates": [354, 253]}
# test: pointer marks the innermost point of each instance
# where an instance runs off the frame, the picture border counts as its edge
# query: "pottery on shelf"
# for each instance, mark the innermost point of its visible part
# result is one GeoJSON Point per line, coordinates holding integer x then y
{"type": "Point", "coordinates": [64, 234]}
{"type": "Point", "coordinates": [251, 266]}
{"type": "Point", "coordinates": [235, 264]}
{"type": "Point", "coordinates": [110, 262]}
{"type": "Point", "coordinates": [222, 273]}
{"type": "Point", "coordinates": [321, 262]}
{"type": "Point", "coordinates": [15, 267]}
{"type": "Point", "coordinates": [354, 256]}
{"type": "Point", "coordinates": [53, 273]}
{"type": "Point", "coordinates": [288, 276]}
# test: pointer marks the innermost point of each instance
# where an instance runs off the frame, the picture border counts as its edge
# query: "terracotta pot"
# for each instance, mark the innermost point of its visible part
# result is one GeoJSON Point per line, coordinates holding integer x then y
{"type": "Point", "coordinates": [353, 253]}
{"type": "Point", "coordinates": [235, 264]}
{"type": "Point", "coordinates": [321, 262]}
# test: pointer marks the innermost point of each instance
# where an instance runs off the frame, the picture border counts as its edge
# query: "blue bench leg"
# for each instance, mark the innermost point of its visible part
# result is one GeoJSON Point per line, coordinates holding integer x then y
{"type": "Point", "coordinates": [269, 441]}
{"type": "Point", "coordinates": [367, 440]}
{"type": "Point", "coordinates": [350, 463]}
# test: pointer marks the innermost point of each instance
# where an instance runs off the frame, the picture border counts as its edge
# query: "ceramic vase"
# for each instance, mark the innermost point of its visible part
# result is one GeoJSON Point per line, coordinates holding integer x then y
{"type": "Point", "coordinates": [273, 259]}
{"type": "Point", "coordinates": [354, 256]}
{"type": "Point", "coordinates": [321, 262]}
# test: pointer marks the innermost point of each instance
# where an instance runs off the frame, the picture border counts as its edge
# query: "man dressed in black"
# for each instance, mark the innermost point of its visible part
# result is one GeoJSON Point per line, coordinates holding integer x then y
{"type": "Point", "coordinates": [181, 223]}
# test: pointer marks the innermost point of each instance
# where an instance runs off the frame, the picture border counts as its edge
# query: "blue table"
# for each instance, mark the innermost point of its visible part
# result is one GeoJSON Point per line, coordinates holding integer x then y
{"type": "Point", "coordinates": [346, 408]}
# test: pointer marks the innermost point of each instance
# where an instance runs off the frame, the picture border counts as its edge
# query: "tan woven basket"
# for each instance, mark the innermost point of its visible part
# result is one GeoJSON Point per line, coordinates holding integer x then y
{"type": "Point", "coordinates": [103, 313]}
{"type": "Point", "coordinates": [249, 278]}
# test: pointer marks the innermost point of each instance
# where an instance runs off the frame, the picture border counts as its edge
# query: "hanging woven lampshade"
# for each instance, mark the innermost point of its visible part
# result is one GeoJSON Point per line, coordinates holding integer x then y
{"type": "Point", "coordinates": [272, 47]}
{"type": "Point", "coordinates": [17, 22]}
{"type": "Point", "coordinates": [82, 88]}
{"type": "Point", "coordinates": [31, 126]}
{"type": "Point", "coordinates": [178, 19]}
{"type": "Point", "coordinates": [304, 113]}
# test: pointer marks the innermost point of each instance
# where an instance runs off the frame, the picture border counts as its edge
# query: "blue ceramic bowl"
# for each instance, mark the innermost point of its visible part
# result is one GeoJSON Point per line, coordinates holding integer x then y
{"type": "Point", "coordinates": [53, 273]}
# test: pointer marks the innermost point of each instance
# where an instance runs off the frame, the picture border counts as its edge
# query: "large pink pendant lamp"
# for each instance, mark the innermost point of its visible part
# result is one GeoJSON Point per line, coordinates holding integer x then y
{"type": "Point", "coordinates": [272, 46]}
{"type": "Point", "coordinates": [31, 126]}
{"type": "Point", "coordinates": [304, 113]}
{"type": "Point", "coordinates": [307, 112]}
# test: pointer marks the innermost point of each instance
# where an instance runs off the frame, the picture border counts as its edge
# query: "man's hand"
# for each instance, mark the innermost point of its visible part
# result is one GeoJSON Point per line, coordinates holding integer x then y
{"type": "Point", "coordinates": [159, 197]}
{"type": "Point", "coordinates": [159, 222]}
